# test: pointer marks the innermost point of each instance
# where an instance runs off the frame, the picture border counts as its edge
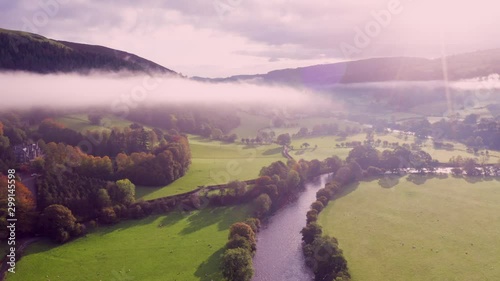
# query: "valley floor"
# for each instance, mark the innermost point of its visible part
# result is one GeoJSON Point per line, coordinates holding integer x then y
{"type": "Point", "coordinates": [419, 229]}
{"type": "Point", "coordinates": [168, 247]}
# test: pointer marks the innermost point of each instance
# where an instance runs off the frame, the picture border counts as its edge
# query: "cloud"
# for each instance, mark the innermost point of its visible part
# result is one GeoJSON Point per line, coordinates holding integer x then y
{"type": "Point", "coordinates": [122, 92]}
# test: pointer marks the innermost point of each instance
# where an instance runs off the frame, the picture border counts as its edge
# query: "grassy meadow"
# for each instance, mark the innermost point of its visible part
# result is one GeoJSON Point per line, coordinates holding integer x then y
{"type": "Point", "coordinates": [215, 162]}
{"type": "Point", "coordinates": [81, 123]}
{"type": "Point", "coordinates": [327, 147]}
{"type": "Point", "coordinates": [172, 247]}
{"type": "Point", "coordinates": [418, 228]}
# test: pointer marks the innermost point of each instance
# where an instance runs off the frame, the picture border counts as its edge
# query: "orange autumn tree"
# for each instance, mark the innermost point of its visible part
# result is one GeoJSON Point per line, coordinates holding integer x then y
{"type": "Point", "coordinates": [25, 208]}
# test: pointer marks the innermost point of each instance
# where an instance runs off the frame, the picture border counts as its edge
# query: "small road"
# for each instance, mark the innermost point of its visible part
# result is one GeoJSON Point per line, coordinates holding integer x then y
{"type": "Point", "coordinates": [30, 182]}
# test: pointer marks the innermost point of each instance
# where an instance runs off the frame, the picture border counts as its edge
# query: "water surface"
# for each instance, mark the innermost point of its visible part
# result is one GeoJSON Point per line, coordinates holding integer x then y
{"type": "Point", "coordinates": [279, 253]}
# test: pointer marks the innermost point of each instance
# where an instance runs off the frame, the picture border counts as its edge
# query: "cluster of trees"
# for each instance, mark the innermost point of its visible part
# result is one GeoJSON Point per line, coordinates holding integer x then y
{"type": "Point", "coordinates": [349, 144]}
{"type": "Point", "coordinates": [218, 135]}
{"type": "Point", "coordinates": [52, 131]}
{"type": "Point", "coordinates": [322, 252]}
{"type": "Point", "coordinates": [471, 167]}
{"type": "Point", "coordinates": [327, 130]}
{"type": "Point", "coordinates": [7, 158]}
{"type": "Point", "coordinates": [84, 196]}
{"type": "Point", "coordinates": [25, 208]}
{"type": "Point", "coordinates": [263, 137]}
{"type": "Point", "coordinates": [134, 138]}
{"type": "Point", "coordinates": [58, 223]}
{"type": "Point", "coordinates": [166, 163]}
{"type": "Point", "coordinates": [474, 132]}
{"type": "Point", "coordinates": [236, 262]}
{"type": "Point", "coordinates": [390, 160]}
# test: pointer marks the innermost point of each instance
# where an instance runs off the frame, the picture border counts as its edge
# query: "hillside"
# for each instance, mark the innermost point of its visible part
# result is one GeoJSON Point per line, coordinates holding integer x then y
{"type": "Point", "coordinates": [462, 66]}
{"type": "Point", "coordinates": [34, 53]}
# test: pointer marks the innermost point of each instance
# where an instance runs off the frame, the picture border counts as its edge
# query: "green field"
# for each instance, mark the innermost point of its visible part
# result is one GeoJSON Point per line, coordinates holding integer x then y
{"type": "Point", "coordinates": [327, 147]}
{"type": "Point", "coordinates": [172, 247]}
{"type": "Point", "coordinates": [215, 162]}
{"type": "Point", "coordinates": [440, 229]}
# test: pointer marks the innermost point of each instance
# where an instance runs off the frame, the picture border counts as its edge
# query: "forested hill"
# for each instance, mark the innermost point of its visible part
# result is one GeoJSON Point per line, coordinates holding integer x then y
{"type": "Point", "coordinates": [34, 53]}
{"type": "Point", "coordinates": [461, 66]}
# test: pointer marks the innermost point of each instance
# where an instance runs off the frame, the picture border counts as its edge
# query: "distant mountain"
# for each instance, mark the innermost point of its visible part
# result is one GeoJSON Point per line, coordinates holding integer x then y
{"type": "Point", "coordinates": [463, 66]}
{"type": "Point", "coordinates": [35, 53]}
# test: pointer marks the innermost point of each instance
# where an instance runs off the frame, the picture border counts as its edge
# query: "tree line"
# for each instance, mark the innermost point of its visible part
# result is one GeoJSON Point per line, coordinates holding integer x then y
{"type": "Point", "coordinates": [322, 252]}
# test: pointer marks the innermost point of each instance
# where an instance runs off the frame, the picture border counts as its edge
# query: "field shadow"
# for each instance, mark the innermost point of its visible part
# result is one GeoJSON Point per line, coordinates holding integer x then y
{"type": "Point", "coordinates": [389, 181]}
{"type": "Point", "coordinates": [351, 188]}
{"type": "Point", "coordinates": [208, 217]}
{"type": "Point", "coordinates": [144, 191]}
{"type": "Point", "coordinates": [272, 151]}
{"type": "Point", "coordinates": [209, 269]}
{"type": "Point", "coordinates": [473, 180]}
{"type": "Point", "coordinates": [103, 230]}
{"type": "Point", "coordinates": [300, 152]}
{"type": "Point", "coordinates": [41, 245]}
{"type": "Point", "coordinates": [172, 218]}
{"type": "Point", "coordinates": [419, 179]}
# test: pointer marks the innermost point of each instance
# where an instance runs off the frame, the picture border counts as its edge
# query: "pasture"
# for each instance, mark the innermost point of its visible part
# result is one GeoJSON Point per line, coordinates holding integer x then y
{"type": "Point", "coordinates": [418, 228]}
{"type": "Point", "coordinates": [326, 147]}
{"type": "Point", "coordinates": [81, 123]}
{"type": "Point", "coordinates": [215, 162]}
{"type": "Point", "coordinates": [167, 247]}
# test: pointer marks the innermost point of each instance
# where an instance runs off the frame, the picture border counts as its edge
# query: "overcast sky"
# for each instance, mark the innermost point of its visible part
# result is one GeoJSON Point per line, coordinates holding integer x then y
{"type": "Point", "coordinates": [214, 38]}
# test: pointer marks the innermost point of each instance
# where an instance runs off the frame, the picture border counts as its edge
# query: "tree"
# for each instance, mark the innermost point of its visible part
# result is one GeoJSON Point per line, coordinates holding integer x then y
{"type": "Point", "coordinates": [25, 208]}
{"type": "Point", "coordinates": [470, 167]}
{"type": "Point", "coordinates": [284, 139]}
{"type": "Point", "coordinates": [312, 216]}
{"type": "Point", "coordinates": [318, 206]}
{"type": "Point", "coordinates": [334, 163]}
{"type": "Point", "coordinates": [239, 187]}
{"type": "Point", "coordinates": [262, 205]}
{"type": "Point", "coordinates": [373, 171]}
{"type": "Point", "coordinates": [57, 222]}
{"type": "Point", "coordinates": [305, 145]}
{"type": "Point", "coordinates": [103, 199]}
{"type": "Point", "coordinates": [243, 230]}
{"type": "Point", "coordinates": [293, 180]}
{"type": "Point", "coordinates": [310, 232]}
{"type": "Point", "coordinates": [324, 192]}
{"type": "Point", "coordinates": [254, 224]}
{"type": "Point", "coordinates": [216, 134]}
{"type": "Point", "coordinates": [240, 242]}
{"type": "Point", "coordinates": [327, 260]}
{"type": "Point", "coordinates": [237, 265]}
{"type": "Point", "coordinates": [108, 216]}
{"type": "Point", "coordinates": [126, 191]}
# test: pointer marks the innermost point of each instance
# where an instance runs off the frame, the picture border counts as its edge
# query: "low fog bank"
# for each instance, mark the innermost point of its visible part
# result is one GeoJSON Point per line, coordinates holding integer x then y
{"type": "Point", "coordinates": [25, 90]}
{"type": "Point", "coordinates": [491, 82]}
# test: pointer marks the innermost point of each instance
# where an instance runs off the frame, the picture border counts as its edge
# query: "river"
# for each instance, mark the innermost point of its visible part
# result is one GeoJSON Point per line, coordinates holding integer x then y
{"type": "Point", "coordinates": [279, 253]}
